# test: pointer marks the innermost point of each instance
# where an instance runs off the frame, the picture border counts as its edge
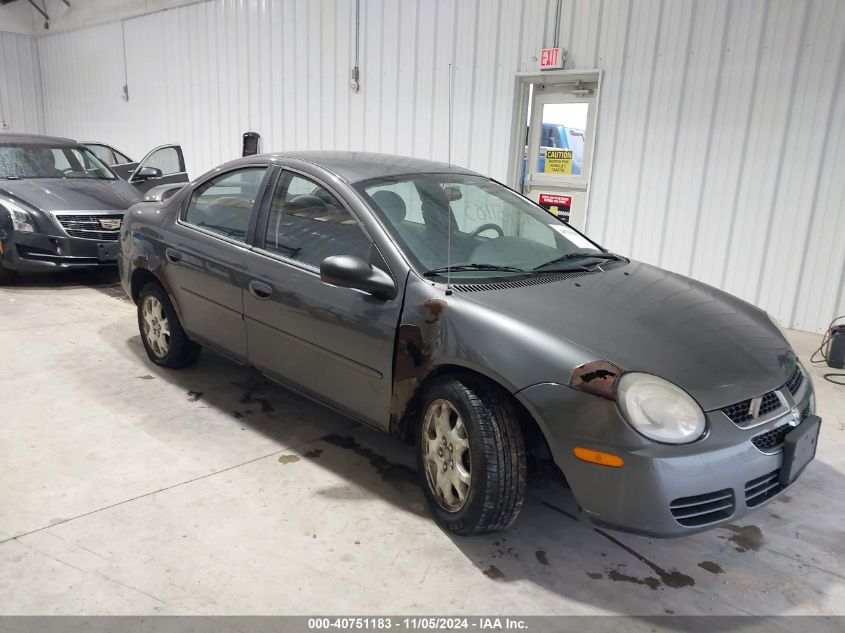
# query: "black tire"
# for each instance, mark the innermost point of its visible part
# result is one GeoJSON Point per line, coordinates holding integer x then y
{"type": "Point", "coordinates": [496, 451]}
{"type": "Point", "coordinates": [180, 351]}
{"type": "Point", "coordinates": [6, 275]}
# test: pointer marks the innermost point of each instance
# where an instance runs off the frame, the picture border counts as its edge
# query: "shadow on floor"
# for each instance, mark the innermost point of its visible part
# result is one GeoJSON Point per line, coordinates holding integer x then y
{"type": "Point", "coordinates": [552, 544]}
{"type": "Point", "coordinates": [91, 278]}
{"type": "Point", "coordinates": [105, 280]}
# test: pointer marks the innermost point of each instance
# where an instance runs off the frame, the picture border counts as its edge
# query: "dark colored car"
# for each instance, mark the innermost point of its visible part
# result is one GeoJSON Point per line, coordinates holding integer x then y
{"type": "Point", "coordinates": [119, 162]}
{"type": "Point", "coordinates": [167, 159]}
{"type": "Point", "coordinates": [436, 304]}
{"type": "Point", "coordinates": [61, 207]}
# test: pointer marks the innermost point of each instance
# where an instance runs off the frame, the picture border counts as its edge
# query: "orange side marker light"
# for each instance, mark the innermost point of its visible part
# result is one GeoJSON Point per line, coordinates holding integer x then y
{"type": "Point", "coordinates": [597, 457]}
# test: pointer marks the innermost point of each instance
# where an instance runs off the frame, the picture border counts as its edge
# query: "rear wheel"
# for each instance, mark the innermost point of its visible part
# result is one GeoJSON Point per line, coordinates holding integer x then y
{"type": "Point", "coordinates": [471, 455]}
{"type": "Point", "coordinates": [165, 341]}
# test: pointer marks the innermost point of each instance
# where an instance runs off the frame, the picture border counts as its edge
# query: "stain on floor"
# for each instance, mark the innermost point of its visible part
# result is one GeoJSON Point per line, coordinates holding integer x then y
{"type": "Point", "coordinates": [745, 537]}
{"type": "Point", "coordinates": [314, 454]}
{"type": "Point", "coordinates": [542, 558]}
{"type": "Point", "coordinates": [713, 568]}
{"type": "Point", "coordinates": [248, 396]}
{"type": "Point", "coordinates": [193, 396]}
{"type": "Point", "coordinates": [390, 472]}
{"type": "Point", "coordinates": [145, 377]}
{"type": "Point", "coordinates": [288, 459]}
{"type": "Point", "coordinates": [494, 572]}
{"type": "Point", "coordinates": [649, 581]}
{"type": "Point", "coordinates": [673, 579]}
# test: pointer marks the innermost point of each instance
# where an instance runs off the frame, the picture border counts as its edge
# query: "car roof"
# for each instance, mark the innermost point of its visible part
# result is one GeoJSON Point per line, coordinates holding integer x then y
{"type": "Point", "coordinates": [36, 139]}
{"type": "Point", "coordinates": [358, 166]}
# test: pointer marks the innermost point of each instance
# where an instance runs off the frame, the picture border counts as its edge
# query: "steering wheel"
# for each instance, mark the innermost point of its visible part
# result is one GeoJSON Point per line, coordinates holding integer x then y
{"type": "Point", "coordinates": [487, 227]}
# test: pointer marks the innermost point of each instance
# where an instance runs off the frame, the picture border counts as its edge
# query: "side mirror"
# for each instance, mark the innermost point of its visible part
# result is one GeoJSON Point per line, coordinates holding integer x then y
{"type": "Point", "coordinates": [145, 173]}
{"type": "Point", "coordinates": [162, 192]}
{"type": "Point", "coordinates": [348, 271]}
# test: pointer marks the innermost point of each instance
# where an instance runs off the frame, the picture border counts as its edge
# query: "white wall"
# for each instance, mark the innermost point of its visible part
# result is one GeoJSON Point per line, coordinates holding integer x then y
{"type": "Point", "coordinates": [721, 131]}
{"type": "Point", "coordinates": [21, 17]}
{"type": "Point", "coordinates": [16, 17]}
{"type": "Point", "coordinates": [21, 107]}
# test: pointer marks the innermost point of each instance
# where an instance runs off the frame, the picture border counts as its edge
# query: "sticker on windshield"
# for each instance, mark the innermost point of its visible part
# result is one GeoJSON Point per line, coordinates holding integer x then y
{"type": "Point", "coordinates": [573, 236]}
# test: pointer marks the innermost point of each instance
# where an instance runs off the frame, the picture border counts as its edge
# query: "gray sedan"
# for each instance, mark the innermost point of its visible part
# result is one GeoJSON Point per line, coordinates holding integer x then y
{"type": "Point", "coordinates": [440, 306]}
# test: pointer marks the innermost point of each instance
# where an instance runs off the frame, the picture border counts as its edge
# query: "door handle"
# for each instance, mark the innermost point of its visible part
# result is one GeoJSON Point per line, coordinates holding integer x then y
{"type": "Point", "coordinates": [173, 256]}
{"type": "Point", "coordinates": [260, 290]}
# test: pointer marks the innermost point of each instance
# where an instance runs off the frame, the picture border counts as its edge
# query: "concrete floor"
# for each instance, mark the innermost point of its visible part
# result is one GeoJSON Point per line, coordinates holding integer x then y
{"type": "Point", "coordinates": [129, 489]}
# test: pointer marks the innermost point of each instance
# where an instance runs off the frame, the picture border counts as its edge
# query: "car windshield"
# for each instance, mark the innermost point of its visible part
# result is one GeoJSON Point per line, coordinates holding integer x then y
{"type": "Point", "coordinates": [39, 160]}
{"type": "Point", "coordinates": [494, 231]}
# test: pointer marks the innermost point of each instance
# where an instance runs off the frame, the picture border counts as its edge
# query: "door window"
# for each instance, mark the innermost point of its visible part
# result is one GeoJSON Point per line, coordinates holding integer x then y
{"type": "Point", "coordinates": [103, 153]}
{"type": "Point", "coordinates": [166, 159]}
{"type": "Point", "coordinates": [308, 224]}
{"type": "Point", "coordinates": [561, 150]}
{"type": "Point", "coordinates": [121, 159]}
{"type": "Point", "coordinates": [224, 204]}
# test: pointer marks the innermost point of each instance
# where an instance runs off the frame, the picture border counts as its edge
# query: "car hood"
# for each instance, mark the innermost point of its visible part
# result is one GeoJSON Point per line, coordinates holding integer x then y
{"type": "Point", "coordinates": [717, 347]}
{"type": "Point", "coordinates": [72, 194]}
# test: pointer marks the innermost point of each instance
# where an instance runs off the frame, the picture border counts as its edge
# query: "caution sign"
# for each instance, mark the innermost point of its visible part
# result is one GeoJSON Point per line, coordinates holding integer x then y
{"type": "Point", "coordinates": [558, 161]}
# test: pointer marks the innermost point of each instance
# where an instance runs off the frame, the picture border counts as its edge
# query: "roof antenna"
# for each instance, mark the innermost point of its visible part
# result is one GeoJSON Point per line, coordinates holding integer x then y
{"type": "Point", "coordinates": [447, 193]}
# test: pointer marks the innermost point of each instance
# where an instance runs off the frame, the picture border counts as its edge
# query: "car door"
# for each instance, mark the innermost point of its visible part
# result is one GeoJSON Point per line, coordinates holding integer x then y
{"type": "Point", "coordinates": [333, 343]}
{"type": "Point", "coordinates": [119, 162]}
{"type": "Point", "coordinates": [206, 256]}
{"type": "Point", "coordinates": [162, 166]}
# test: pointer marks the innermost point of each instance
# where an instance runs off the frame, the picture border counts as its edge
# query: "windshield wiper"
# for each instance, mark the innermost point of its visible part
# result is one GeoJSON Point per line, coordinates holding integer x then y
{"type": "Point", "coordinates": [580, 255]}
{"type": "Point", "coordinates": [456, 268]}
{"type": "Point", "coordinates": [11, 177]}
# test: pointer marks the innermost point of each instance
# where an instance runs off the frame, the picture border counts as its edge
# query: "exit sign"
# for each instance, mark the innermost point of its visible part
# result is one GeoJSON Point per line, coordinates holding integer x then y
{"type": "Point", "coordinates": [551, 59]}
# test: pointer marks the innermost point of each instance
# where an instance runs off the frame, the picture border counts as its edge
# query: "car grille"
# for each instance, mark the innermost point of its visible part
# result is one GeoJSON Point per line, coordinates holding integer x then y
{"type": "Point", "coordinates": [89, 227]}
{"type": "Point", "coordinates": [740, 413]}
{"type": "Point", "coordinates": [795, 381]}
{"type": "Point", "coordinates": [771, 441]}
{"type": "Point", "coordinates": [703, 509]}
{"type": "Point", "coordinates": [760, 490]}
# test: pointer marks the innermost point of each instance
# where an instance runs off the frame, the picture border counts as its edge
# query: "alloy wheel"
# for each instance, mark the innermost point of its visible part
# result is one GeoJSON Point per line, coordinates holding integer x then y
{"type": "Point", "coordinates": [156, 327]}
{"type": "Point", "coordinates": [446, 455]}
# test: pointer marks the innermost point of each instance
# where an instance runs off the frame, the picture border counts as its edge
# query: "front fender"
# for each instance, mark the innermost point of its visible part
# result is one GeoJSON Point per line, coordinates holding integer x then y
{"type": "Point", "coordinates": [440, 328]}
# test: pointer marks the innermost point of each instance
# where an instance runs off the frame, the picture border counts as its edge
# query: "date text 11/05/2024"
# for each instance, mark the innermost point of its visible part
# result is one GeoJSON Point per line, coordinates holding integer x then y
{"type": "Point", "coordinates": [417, 623]}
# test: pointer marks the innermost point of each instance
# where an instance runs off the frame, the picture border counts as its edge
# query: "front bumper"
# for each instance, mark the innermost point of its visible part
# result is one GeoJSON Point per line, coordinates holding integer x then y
{"type": "Point", "coordinates": [40, 252]}
{"type": "Point", "coordinates": [661, 490]}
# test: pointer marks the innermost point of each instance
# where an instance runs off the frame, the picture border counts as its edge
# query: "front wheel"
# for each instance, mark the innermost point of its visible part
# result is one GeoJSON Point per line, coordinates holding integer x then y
{"type": "Point", "coordinates": [471, 455]}
{"type": "Point", "coordinates": [164, 339]}
{"type": "Point", "coordinates": [6, 275]}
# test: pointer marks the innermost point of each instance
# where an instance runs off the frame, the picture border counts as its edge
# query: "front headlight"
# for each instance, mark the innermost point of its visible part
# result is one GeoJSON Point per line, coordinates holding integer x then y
{"type": "Point", "coordinates": [21, 220]}
{"type": "Point", "coordinates": [659, 410]}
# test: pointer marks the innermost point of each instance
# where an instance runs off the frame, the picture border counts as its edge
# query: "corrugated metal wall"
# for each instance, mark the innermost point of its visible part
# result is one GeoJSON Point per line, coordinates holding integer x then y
{"type": "Point", "coordinates": [721, 133]}
{"type": "Point", "coordinates": [21, 107]}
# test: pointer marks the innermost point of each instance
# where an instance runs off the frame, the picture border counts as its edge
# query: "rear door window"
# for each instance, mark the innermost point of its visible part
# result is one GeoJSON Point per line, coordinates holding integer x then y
{"type": "Point", "coordinates": [225, 204]}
